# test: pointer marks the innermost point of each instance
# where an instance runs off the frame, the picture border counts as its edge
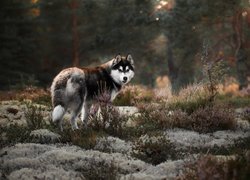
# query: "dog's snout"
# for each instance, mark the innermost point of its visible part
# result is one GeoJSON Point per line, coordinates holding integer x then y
{"type": "Point", "coordinates": [125, 78]}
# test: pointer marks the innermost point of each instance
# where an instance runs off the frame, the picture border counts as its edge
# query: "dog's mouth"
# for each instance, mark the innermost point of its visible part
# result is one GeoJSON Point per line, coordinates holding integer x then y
{"type": "Point", "coordinates": [124, 81]}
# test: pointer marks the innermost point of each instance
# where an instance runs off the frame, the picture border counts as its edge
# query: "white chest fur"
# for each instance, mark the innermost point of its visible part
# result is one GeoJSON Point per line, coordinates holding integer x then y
{"type": "Point", "coordinates": [114, 93]}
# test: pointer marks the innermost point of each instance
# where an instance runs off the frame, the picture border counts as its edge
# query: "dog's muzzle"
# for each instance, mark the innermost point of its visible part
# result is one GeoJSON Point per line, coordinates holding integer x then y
{"type": "Point", "coordinates": [125, 79]}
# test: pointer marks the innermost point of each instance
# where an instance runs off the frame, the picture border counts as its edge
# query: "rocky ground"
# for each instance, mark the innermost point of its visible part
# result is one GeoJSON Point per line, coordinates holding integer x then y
{"type": "Point", "coordinates": [46, 156]}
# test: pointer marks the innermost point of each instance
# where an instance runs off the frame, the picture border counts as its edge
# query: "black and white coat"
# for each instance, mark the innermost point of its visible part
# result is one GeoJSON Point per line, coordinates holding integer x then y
{"type": "Point", "coordinates": [75, 89]}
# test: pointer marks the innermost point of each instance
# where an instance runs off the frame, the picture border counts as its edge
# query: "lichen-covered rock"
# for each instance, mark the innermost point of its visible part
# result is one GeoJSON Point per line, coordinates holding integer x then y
{"type": "Point", "coordinates": [184, 139]}
{"type": "Point", "coordinates": [12, 112]}
{"type": "Point", "coordinates": [44, 136]}
{"type": "Point", "coordinates": [113, 144]}
{"type": "Point", "coordinates": [50, 172]}
{"type": "Point", "coordinates": [127, 110]}
{"type": "Point", "coordinates": [242, 125]}
{"type": "Point", "coordinates": [166, 170]}
{"type": "Point", "coordinates": [130, 112]}
{"type": "Point", "coordinates": [38, 160]}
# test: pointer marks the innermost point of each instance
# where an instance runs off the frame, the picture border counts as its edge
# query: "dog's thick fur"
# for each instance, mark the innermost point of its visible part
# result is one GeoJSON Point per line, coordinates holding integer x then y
{"type": "Point", "coordinates": [75, 89]}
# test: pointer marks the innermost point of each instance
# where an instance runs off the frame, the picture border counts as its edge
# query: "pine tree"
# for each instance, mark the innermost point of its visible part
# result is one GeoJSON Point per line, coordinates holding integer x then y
{"type": "Point", "coordinates": [18, 43]}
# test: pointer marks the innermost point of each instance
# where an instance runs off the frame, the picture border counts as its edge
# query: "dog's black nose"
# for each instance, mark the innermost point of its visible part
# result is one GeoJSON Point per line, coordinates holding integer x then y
{"type": "Point", "coordinates": [125, 78]}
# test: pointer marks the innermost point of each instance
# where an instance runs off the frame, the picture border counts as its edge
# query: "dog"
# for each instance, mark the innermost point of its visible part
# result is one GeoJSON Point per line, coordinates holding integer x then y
{"type": "Point", "coordinates": [76, 89]}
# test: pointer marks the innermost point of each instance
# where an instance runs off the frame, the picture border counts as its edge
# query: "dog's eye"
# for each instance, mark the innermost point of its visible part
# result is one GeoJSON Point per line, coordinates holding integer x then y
{"type": "Point", "coordinates": [119, 70]}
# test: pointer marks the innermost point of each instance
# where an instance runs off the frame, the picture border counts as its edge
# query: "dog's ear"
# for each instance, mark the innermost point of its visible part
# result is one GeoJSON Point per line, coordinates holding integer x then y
{"type": "Point", "coordinates": [117, 59]}
{"type": "Point", "coordinates": [130, 59]}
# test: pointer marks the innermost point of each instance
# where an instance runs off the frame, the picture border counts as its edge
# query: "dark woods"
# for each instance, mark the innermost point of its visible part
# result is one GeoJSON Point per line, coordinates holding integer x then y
{"type": "Point", "coordinates": [40, 37]}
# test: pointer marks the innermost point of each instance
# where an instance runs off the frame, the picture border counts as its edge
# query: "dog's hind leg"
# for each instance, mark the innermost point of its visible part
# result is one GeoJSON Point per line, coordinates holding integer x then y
{"type": "Point", "coordinates": [85, 110]}
{"type": "Point", "coordinates": [74, 116]}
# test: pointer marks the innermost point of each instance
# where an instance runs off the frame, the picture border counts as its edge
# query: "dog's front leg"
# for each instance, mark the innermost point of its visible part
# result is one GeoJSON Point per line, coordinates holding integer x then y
{"type": "Point", "coordinates": [84, 114]}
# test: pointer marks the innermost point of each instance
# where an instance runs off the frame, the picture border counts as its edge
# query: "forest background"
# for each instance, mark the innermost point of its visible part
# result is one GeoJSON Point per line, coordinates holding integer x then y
{"type": "Point", "coordinates": [38, 38]}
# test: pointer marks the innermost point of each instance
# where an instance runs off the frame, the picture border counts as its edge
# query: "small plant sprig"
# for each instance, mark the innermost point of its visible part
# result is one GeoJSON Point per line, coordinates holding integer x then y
{"type": "Point", "coordinates": [213, 71]}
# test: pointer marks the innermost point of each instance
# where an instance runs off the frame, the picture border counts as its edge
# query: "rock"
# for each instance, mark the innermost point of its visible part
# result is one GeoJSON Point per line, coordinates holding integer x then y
{"type": "Point", "coordinates": [130, 112]}
{"type": "Point", "coordinates": [113, 144]}
{"type": "Point", "coordinates": [127, 110]}
{"type": "Point", "coordinates": [239, 110]}
{"type": "Point", "coordinates": [44, 136]}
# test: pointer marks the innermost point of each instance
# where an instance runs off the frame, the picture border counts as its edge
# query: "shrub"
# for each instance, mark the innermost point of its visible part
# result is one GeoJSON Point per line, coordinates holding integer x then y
{"type": "Point", "coordinates": [214, 71]}
{"type": "Point", "coordinates": [204, 120]}
{"type": "Point", "coordinates": [14, 134]}
{"type": "Point", "coordinates": [150, 119]}
{"type": "Point", "coordinates": [158, 116]}
{"type": "Point", "coordinates": [34, 116]}
{"type": "Point", "coordinates": [131, 95]}
{"type": "Point", "coordinates": [85, 138]}
{"type": "Point", "coordinates": [108, 120]}
{"type": "Point", "coordinates": [211, 167]}
{"type": "Point", "coordinates": [154, 149]}
{"type": "Point", "coordinates": [100, 171]}
{"type": "Point", "coordinates": [212, 118]}
{"type": "Point", "coordinates": [233, 101]}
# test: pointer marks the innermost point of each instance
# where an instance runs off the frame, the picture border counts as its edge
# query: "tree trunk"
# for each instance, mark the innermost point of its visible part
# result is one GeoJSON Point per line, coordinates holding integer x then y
{"type": "Point", "coordinates": [173, 71]}
{"type": "Point", "coordinates": [240, 53]}
{"type": "Point", "coordinates": [75, 36]}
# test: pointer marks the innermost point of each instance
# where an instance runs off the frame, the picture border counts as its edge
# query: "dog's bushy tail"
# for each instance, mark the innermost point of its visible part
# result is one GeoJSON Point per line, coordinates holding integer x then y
{"type": "Point", "coordinates": [58, 105]}
{"type": "Point", "coordinates": [58, 113]}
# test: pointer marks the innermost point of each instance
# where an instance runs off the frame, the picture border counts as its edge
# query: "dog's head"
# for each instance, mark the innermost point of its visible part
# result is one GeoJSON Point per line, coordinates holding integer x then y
{"type": "Point", "coordinates": [122, 69]}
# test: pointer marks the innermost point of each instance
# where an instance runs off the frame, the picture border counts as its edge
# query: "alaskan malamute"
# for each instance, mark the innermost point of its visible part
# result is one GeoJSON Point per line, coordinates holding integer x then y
{"type": "Point", "coordinates": [74, 89]}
